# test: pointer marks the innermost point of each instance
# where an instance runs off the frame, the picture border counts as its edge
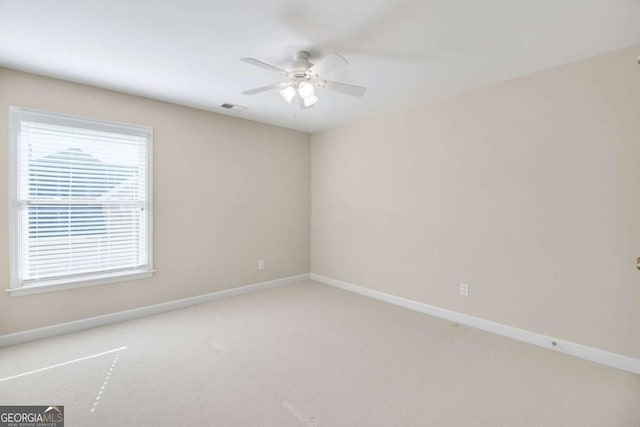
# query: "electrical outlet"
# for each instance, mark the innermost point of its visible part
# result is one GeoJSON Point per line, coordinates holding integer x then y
{"type": "Point", "coordinates": [261, 264]}
{"type": "Point", "coordinates": [464, 289]}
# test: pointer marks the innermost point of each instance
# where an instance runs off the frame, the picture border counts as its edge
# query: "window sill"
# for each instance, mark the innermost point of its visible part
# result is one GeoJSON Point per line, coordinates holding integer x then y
{"type": "Point", "coordinates": [58, 285]}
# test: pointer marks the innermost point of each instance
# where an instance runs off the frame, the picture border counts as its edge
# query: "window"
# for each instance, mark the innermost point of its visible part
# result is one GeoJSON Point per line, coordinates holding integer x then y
{"type": "Point", "coordinates": [81, 201]}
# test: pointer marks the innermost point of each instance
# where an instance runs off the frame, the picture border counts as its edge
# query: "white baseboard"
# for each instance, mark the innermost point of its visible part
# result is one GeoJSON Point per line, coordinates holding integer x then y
{"type": "Point", "coordinates": [614, 360]}
{"type": "Point", "coordinates": [93, 322]}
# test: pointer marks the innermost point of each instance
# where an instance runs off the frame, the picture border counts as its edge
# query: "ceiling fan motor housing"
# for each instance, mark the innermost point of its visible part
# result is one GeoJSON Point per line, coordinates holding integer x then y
{"type": "Point", "coordinates": [298, 68]}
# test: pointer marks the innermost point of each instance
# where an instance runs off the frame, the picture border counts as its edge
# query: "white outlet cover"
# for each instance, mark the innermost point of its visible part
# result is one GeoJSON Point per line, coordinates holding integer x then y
{"type": "Point", "coordinates": [261, 265]}
{"type": "Point", "coordinates": [464, 289]}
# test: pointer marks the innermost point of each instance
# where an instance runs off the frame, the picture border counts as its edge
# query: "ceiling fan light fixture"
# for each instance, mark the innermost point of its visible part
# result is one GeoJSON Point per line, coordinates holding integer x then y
{"type": "Point", "coordinates": [306, 90]}
{"type": "Point", "coordinates": [304, 77]}
{"type": "Point", "coordinates": [309, 101]}
{"type": "Point", "coordinates": [288, 93]}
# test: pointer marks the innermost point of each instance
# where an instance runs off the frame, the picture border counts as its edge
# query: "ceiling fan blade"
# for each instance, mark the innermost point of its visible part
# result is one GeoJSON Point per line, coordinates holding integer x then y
{"type": "Point", "coordinates": [328, 63]}
{"type": "Point", "coordinates": [345, 88]}
{"type": "Point", "coordinates": [265, 88]}
{"type": "Point", "coordinates": [264, 65]}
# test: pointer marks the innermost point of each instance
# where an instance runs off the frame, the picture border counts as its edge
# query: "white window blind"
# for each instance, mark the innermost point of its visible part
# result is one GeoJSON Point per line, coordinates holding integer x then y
{"type": "Point", "coordinates": [82, 198]}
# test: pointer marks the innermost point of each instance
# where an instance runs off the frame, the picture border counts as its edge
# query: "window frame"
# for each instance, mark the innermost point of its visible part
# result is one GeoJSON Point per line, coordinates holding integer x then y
{"type": "Point", "coordinates": [17, 287]}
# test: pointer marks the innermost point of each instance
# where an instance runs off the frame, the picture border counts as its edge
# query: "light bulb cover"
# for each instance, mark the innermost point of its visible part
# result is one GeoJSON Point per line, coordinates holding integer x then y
{"type": "Point", "coordinates": [288, 93]}
{"type": "Point", "coordinates": [305, 90]}
{"type": "Point", "coordinates": [310, 101]}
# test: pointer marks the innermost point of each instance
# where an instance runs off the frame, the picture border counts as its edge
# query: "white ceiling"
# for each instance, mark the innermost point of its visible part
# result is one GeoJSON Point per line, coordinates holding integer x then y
{"type": "Point", "coordinates": [405, 51]}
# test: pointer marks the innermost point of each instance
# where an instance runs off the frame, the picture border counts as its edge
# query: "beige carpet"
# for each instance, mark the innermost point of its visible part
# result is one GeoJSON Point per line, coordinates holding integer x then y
{"type": "Point", "coordinates": [307, 355]}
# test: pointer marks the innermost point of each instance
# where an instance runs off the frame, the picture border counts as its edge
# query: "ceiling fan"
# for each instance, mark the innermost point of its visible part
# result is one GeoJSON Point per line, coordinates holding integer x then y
{"type": "Point", "coordinates": [304, 77]}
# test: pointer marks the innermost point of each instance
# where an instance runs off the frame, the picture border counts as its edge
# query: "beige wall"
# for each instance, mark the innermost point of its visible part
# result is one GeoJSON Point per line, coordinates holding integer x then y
{"type": "Point", "coordinates": [227, 192]}
{"type": "Point", "coordinates": [528, 190]}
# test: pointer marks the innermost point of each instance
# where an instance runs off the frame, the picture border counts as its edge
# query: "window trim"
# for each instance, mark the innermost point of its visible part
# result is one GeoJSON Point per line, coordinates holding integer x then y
{"type": "Point", "coordinates": [16, 114]}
